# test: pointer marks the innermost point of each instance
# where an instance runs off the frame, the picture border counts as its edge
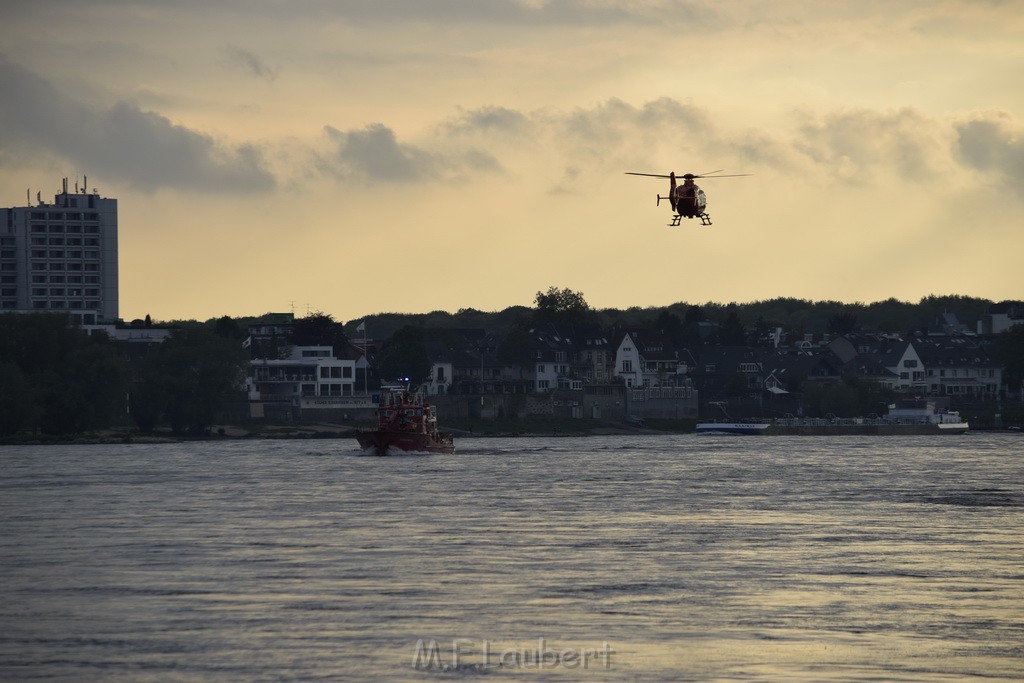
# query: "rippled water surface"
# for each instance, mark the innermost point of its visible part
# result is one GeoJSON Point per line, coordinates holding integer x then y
{"type": "Point", "coordinates": [612, 558]}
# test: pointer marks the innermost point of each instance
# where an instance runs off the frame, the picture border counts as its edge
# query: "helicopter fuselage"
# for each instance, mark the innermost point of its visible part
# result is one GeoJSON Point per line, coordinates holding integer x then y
{"type": "Point", "coordinates": [688, 200]}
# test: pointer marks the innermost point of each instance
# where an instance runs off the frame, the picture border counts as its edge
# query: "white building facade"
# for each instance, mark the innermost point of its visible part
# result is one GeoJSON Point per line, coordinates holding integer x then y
{"type": "Point", "coordinates": [61, 257]}
{"type": "Point", "coordinates": [308, 372]}
{"type": "Point", "coordinates": [647, 362]}
{"type": "Point", "coordinates": [908, 372]}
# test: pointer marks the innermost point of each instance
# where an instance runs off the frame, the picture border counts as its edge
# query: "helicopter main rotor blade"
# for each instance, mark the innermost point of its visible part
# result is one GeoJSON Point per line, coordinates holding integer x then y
{"type": "Point", "coordinates": [691, 176]}
{"type": "Point", "coordinates": [649, 175]}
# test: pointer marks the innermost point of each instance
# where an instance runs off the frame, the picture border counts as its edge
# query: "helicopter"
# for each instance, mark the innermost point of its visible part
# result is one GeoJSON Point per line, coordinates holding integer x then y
{"type": "Point", "coordinates": [687, 200]}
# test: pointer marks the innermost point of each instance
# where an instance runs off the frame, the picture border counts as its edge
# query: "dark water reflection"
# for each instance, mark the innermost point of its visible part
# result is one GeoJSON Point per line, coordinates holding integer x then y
{"type": "Point", "coordinates": [684, 557]}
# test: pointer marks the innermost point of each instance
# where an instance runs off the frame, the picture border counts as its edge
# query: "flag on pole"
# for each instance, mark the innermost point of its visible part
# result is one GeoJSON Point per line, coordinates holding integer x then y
{"type": "Point", "coordinates": [361, 327]}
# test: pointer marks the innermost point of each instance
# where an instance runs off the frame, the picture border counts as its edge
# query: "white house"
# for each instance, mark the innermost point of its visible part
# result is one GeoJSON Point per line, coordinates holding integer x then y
{"type": "Point", "coordinates": [958, 366]}
{"type": "Point", "coordinates": [908, 369]}
{"type": "Point", "coordinates": [548, 368]}
{"type": "Point", "coordinates": [442, 373]}
{"type": "Point", "coordinates": [647, 359]}
{"type": "Point", "coordinates": [309, 371]}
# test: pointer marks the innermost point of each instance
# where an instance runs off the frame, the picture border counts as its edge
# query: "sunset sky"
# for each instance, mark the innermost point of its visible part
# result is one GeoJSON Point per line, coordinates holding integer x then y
{"type": "Point", "coordinates": [355, 157]}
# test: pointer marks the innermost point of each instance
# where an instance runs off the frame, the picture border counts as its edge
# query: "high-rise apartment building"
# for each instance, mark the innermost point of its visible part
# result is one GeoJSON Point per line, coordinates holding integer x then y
{"type": "Point", "coordinates": [61, 257]}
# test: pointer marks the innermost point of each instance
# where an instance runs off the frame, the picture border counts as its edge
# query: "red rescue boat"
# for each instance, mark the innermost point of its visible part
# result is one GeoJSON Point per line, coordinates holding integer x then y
{"type": "Point", "coordinates": [405, 422]}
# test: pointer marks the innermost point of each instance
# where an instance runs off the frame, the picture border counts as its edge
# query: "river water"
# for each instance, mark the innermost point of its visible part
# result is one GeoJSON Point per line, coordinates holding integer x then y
{"type": "Point", "coordinates": [676, 558]}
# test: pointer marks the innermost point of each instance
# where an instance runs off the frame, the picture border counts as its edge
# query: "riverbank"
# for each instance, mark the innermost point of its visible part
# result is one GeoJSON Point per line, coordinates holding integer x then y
{"type": "Point", "coordinates": [257, 431]}
{"type": "Point", "coordinates": [466, 428]}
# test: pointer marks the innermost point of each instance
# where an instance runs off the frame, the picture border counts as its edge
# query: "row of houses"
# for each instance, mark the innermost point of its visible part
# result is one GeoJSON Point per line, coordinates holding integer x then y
{"type": "Point", "coordinates": [632, 364]}
{"type": "Point", "coordinates": [925, 365]}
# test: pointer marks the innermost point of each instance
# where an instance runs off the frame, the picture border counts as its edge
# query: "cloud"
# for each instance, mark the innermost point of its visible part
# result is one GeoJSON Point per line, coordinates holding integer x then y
{"type": "Point", "coordinates": [861, 144]}
{"type": "Point", "coordinates": [605, 132]}
{"type": "Point", "coordinates": [860, 147]}
{"type": "Point", "coordinates": [544, 13]}
{"type": "Point", "coordinates": [374, 153]}
{"type": "Point", "coordinates": [125, 143]}
{"type": "Point", "coordinates": [858, 144]}
{"type": "Point", "coordinates": [392, 13]}
{"type": "Point", "coordinates": [993, 142]}
{"type": "Point", "coordinates": [489, 119]}
{"type": "Point", "coordinates": [615, 121]}
{"type": "Point", "coordinates": [250, 62]}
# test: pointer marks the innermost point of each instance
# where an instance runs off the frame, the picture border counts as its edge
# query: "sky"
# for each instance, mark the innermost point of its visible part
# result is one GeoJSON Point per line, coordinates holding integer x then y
{"type": "Point", "coordinates": [354, 157]}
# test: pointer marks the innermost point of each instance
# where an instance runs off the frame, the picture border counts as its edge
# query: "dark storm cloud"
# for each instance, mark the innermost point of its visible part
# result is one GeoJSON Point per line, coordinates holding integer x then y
{"type": "Point", "coordinates": [374, 153]}
{"type": "Point", "coordinates": [140, 148]}
{"type": "Point", "coordinates": [992, 142]}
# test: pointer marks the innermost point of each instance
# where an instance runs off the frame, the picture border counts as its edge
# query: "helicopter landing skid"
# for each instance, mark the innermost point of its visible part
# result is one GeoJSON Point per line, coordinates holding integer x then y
{"type": "Point", "coordinates": [705, 219]}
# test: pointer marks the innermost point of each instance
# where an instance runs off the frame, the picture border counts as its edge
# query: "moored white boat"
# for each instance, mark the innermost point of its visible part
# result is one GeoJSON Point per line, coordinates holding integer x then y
{"type": "Point", "coordinates": [732, 427]}
{"type": "Point", "coordinates": [907, 416]}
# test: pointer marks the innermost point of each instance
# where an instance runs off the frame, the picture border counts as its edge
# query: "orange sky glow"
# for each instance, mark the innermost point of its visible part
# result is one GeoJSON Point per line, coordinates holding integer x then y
{"type": "Point", "coordinates": [354, 158]}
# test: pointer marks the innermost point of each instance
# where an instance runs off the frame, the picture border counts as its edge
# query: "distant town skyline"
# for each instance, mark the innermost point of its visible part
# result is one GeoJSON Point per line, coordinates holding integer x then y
{"type": "Point", "coordinates": [357, 158]}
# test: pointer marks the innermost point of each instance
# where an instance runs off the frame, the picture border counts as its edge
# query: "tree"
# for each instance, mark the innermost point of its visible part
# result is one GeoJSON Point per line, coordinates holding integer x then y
{"type": "Point", "coordinates": [96, 385]}
{"type": "Point", "coordinates": [1009, 350]}
{"type": "Point", "coordinates": [671, 326]}
{"type": "Point", "coordinates": [516, 347]}
{"type": "Point", "coordinates": [842, 323]}
{"type": "Point", "coordinates": [147, 397]}
{"type": "Point", "coordinates": [732, 332]}
{"type": "Point", "coordinates": [319, 329]}
{"type": "Point", "coordinates": [405, 356]}
{"type": "Point", "coordinates": [189, 380]}
{"type": "Point", "coordinates": [695, 315]}
{"type": "Point", "coordinates": [63, 380]}
{"type": "Point", "coordinates": [562, 307]}
{"type": "Point", "coordinates": [226, 326]}
{"type": "Point", "coordinates": [18, 406]}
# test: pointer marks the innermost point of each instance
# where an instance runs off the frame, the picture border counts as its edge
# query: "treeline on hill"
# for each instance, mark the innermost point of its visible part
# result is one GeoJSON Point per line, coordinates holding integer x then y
{"type": "Point", "coordinates": [56, 379]}
{"type": "Point", "coordinates": [793, 315]}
